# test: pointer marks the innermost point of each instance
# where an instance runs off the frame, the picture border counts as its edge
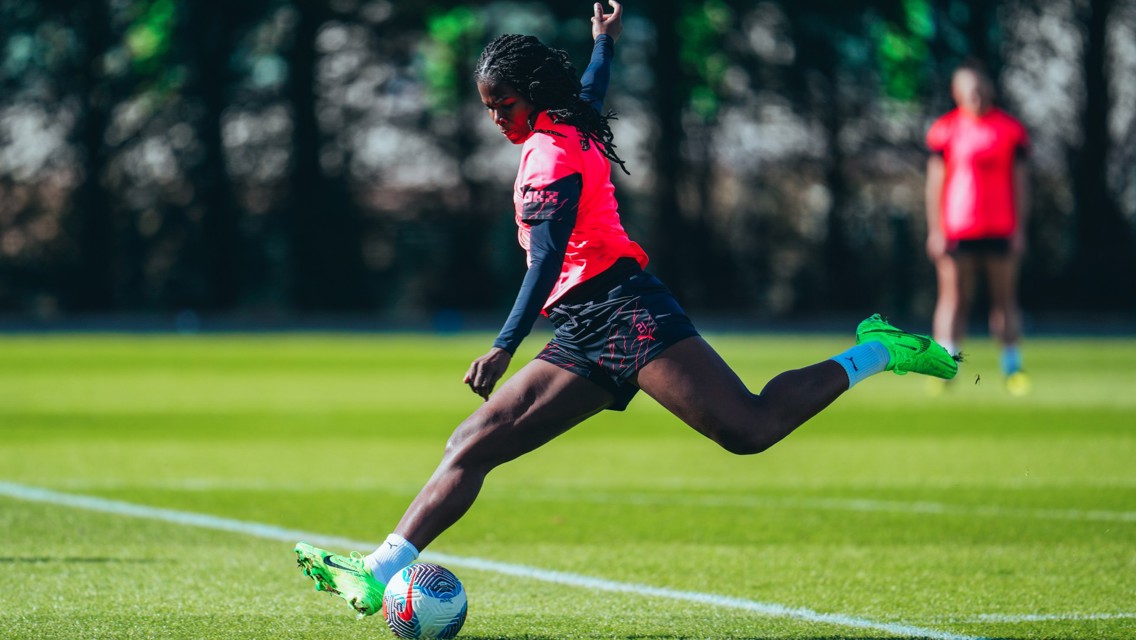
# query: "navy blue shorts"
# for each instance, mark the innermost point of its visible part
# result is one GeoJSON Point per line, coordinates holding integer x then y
{"type": "Point", "coordinates": [609, 327]}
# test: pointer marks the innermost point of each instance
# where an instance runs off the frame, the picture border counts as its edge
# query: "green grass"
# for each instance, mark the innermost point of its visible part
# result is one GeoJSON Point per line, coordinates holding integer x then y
{"type": "Point", "coordinates": [973, 513]}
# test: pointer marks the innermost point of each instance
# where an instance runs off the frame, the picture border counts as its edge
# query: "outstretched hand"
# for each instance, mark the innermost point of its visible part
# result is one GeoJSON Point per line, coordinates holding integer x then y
{"type": "Point", "coordinates": [610, 24]}
{"type": "Point", "coordinates": [485, 371]}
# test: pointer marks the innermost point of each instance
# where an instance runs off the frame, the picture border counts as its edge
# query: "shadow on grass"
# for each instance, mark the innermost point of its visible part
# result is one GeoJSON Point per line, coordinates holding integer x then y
{"type": "Point", "coordinates": [74, 560]}
{"type": "Point", "coordinates": [729, 637]}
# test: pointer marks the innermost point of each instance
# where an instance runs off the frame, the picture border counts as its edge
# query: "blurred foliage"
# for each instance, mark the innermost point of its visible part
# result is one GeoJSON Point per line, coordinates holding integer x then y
{"type": "Point", "coordinates": [150, 36]}
{"type": "Point", "coordinates": [451, 37]}
{"type": "Point", "coordinates": [903, 51]}
{"type": "Point", "coordinates": [703, 26]}
{"type": "Point", "coordinates": [274, 157]}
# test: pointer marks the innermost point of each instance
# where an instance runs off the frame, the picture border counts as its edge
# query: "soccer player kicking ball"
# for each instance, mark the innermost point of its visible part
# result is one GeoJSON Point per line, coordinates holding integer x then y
{"type": "Point", "coordinates": [618, 329]}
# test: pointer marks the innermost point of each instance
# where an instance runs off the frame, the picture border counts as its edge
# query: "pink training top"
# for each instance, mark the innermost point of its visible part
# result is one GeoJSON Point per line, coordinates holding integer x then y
{"type": "Point", "coordinates": [978, 189]}
{"type": "Point", "coordinates": [598, 238]}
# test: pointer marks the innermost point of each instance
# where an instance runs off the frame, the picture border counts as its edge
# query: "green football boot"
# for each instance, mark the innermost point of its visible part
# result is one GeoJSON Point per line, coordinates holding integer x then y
{"type": "Point", "coordinates": [344, 576]}
{"type": "Point", "coordinates": [909, 351]}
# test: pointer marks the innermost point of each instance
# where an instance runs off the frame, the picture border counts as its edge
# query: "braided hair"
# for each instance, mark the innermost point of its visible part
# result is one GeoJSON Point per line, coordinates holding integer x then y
{"type": "Point", "coordinates": [547, 79]}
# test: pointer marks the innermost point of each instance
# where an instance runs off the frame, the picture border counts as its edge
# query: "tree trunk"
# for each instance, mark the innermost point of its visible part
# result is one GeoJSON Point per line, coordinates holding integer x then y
{"type": "Point", "coordinates": [1103, 275]}
{"type": "Point", "coordinates": [94, 278]}
{"type": "Point", "coordinates": [324, 240]}
{"type": "Point", "coordinates": [668, 250]}
{"type": "Point", "coordinates": [219, 247]}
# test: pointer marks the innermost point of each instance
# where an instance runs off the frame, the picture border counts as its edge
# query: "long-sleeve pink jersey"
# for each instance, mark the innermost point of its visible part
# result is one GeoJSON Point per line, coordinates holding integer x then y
{"type": "Point", "coordinates": [551, 158]}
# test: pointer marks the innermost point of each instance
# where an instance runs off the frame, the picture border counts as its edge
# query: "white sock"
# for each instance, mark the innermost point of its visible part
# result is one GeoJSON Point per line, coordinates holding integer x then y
{"type": "Point", "coordinates": [950, 346]}
{"type": "Point", "coordinates": [863, 360]}
{"type": "Point", "coordinates": [391, 557]}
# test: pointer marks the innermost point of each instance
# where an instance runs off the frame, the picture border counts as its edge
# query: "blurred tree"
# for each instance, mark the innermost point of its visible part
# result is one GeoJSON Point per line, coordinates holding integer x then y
{"type": "Point", "coordinates": [320, 155]}
{"type": "Point", "coordinates": [1104, 265]}
{"type": "Point", "coordinates": [833, 41]}
{"type": "Point", "coordinates": [671, 92]}
{"type": "Point", "coordinates": [325, 258]}
{"type": "Point", "coordinates": [903, 49]}
{"type": "Point", "coordinates": [210, 33]}
{"type": "Point", "coordinates": [94, 281]}
{"type": "Point", "coordinates": [705, 54]}
{"type": "Point", "coordinates": [454, 39]}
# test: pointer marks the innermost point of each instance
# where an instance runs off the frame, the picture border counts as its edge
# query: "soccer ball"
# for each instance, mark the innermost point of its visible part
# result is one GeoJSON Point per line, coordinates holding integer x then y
{"type": "Point", "coordinates": [424, 601]}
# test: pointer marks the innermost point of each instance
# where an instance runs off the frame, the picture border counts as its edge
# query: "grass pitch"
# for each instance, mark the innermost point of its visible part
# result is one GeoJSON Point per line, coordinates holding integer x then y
{"type": "Point", "coordinates": [892, 514]}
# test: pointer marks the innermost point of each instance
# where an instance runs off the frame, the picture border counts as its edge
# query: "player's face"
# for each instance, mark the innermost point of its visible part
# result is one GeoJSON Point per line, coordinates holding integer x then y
{"type": "Point", "coordinates": [510, 110]}
{"type": "Point", "coordinates": [972, 92]}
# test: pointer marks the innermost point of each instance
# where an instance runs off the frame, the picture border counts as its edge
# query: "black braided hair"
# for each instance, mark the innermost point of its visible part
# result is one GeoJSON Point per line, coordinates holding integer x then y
{"type": "Point", "coordinates": [547, 79]}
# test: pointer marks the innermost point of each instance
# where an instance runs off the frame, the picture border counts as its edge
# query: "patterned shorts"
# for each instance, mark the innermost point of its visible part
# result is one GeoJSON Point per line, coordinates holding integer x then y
{"type": "Point", "coordinates": [609, 327]}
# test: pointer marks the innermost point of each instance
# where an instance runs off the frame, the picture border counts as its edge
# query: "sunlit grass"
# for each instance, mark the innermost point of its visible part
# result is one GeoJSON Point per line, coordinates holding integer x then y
{"type": "Point", "coordinates": [974, 513]}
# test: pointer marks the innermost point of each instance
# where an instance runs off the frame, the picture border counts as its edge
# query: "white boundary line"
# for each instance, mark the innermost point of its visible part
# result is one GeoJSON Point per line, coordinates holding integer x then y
{"type": "Point", "coordinates": [271, 532]}
{"type": "Point", "coordinates": [1044, 617]}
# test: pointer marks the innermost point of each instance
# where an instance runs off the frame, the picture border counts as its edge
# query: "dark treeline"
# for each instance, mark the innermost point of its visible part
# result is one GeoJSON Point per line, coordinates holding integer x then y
{"type": "Point", "coordinates": [272, 157]}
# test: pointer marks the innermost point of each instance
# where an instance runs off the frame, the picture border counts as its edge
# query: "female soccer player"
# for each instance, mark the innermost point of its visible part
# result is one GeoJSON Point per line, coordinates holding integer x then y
{"type": "Point", "coordinates": [617, 328]}
{"type": "Point", "coordinates": [977, 200]}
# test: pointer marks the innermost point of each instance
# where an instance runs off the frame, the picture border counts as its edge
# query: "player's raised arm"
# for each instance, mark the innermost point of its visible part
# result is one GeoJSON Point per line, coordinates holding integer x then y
{"type": "Point", "coordinates": [610, 24]}
{"type": "Point", "coordinates": [605, 31]}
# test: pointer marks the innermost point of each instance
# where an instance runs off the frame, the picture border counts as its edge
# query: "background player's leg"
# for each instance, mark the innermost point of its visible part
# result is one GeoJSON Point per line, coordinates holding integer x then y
{"type": "Point", "coordinates": [945, 322]}
{"type": "Point", "coordinates": [966, 268]}
{"type": "Point", "coordinates": [1005, 316]}
{"type": "Point", "coordinates": [692, 381]}
{"type": "Point", "coordinates": [538, 403]}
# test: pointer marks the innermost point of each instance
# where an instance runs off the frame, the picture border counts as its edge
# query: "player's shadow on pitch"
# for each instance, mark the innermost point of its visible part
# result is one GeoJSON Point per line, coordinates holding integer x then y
{"type": "Point", "coordinates": [729, 637]}
{"type": "Point", "coordinates": [74, 560]}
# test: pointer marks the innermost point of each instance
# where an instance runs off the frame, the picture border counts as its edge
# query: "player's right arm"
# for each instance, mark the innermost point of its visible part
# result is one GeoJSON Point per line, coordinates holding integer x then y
{"type": "Point", "coordinates": [936, 177]}
{"type": "Point", "coordinates": [549, 241]}
{"type": "Point", "coordinates": [938, 139]}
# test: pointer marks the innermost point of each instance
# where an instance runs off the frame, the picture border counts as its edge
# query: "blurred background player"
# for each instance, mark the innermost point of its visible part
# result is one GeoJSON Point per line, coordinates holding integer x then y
{"type": "Point", "coordinates": [618, 329]}
{"type": "Point", "coordinates": [977, 201]}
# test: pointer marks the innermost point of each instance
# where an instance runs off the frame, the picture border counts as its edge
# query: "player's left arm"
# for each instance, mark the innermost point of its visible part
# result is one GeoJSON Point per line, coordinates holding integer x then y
{"type": "Point", "coordinates": [1021, 192]}
{"type": "Point", "coordinates": [605, 31]}
{"type": "Point", "coordinates": [1021, 205]}
{"type": "Point", "coordinates": [607, 24]}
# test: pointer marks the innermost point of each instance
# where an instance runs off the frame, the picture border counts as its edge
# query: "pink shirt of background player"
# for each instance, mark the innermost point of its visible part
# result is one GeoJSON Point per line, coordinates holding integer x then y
{"type": "Point", "coordinates": [978, 190]}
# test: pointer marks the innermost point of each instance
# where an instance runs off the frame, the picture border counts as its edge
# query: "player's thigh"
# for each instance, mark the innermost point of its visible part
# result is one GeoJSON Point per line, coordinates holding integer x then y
{"type": "Point", "coordinates": [538, 403]}
{"type": "Point", "coordinates": [966, 273]}
{"type": "Point", "coordinates": [947, 273]}
{"type": "Point", "coordinates": [1002, 279]}
{"type": "Point", "coordinates": [694, 383]}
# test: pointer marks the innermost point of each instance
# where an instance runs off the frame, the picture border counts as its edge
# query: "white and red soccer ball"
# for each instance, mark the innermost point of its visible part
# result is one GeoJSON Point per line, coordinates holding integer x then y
{"type": "Point", "coordinates": [424, 601]}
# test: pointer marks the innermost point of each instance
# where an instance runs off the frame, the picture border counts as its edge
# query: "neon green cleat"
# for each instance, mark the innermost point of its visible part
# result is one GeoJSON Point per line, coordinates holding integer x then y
{"type": "Point", "coordinates": [344, 576]}
{"type": "Point", "coordinates": [909, 351]}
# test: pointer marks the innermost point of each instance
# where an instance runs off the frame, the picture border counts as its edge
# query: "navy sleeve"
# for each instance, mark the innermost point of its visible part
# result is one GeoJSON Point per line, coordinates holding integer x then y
{"type": "Point", "coordinates": [598, 74]}
{"type": "Point", "coordinates": [551, 212]}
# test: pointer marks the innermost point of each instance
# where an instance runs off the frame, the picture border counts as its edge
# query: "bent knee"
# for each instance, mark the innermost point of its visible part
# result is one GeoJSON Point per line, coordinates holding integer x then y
{"type": "Point", "coordinates": [744, 439]}
{"type": "Point", "coordinates": [745, 444]}
{"type": "Point", "coordinates": [477, 443]}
